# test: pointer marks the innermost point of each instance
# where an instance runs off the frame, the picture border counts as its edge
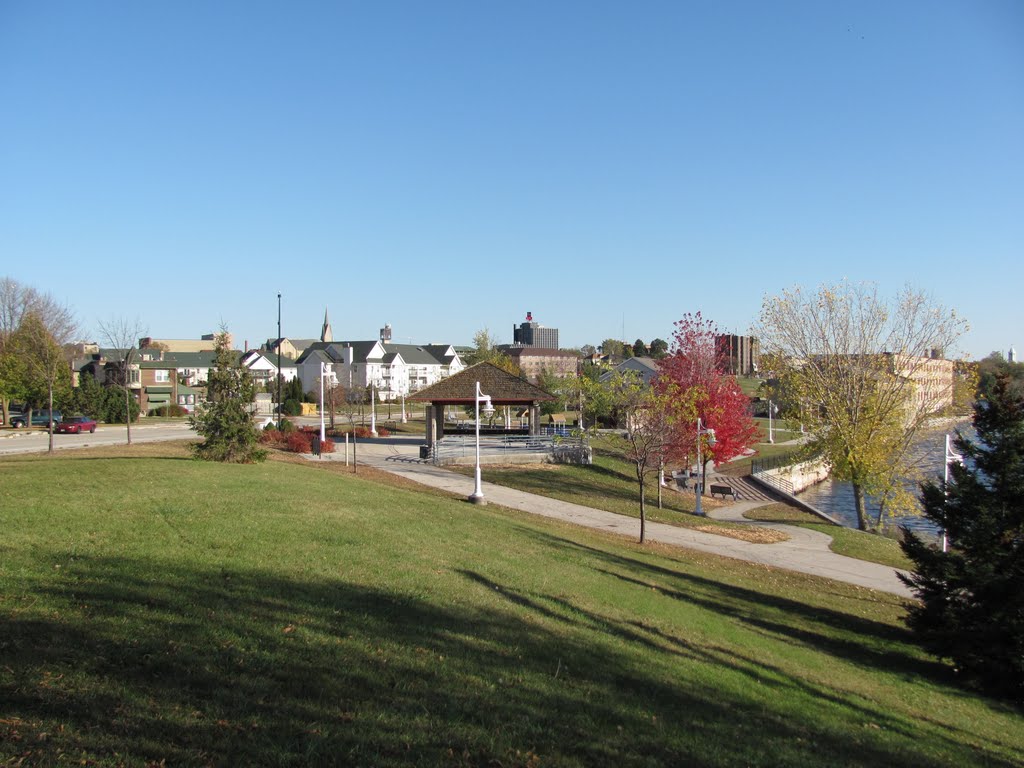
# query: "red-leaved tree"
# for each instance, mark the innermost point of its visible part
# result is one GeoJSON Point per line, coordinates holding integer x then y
{"type": "Point", "coordinates": [696, 369]}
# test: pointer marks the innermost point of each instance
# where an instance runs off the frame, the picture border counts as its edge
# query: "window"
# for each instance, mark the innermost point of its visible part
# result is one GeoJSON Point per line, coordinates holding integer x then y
{"type": "Point", "coordinates": [162, 376]}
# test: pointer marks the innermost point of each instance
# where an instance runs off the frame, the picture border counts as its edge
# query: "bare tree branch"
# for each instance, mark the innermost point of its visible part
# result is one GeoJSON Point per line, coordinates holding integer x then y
{"type": "Point", "coordinates": [122, 334]}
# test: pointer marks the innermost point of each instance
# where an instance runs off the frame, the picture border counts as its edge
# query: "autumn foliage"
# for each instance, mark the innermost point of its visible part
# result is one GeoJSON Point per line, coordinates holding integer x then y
{"type": "Point", "coordinates": [300, 441]}
{"type": "Point", "coordinates": [695, 368]}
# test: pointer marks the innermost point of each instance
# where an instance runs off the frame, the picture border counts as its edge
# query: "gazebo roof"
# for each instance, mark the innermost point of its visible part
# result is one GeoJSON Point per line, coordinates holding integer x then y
{"type": "Point", "coordinates": [503, 387]}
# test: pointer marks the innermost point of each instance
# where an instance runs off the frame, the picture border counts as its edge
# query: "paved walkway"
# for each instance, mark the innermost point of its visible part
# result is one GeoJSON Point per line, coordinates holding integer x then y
{"type": "Point", "coordinates": [806, 551]}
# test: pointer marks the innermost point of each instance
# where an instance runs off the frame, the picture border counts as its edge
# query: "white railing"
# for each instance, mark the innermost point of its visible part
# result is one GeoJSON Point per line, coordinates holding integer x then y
{"type": "Point", "coordinates": [453, 449]}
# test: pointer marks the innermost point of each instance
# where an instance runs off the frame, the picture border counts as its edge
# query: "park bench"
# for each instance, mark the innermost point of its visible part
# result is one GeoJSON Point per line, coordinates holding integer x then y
{"type": "Point", "coordinates": [724, 490]}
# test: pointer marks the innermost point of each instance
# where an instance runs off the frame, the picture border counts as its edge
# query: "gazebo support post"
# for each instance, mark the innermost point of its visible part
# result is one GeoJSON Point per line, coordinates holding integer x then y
{"type": "Point", "coordinates": [428, 413]}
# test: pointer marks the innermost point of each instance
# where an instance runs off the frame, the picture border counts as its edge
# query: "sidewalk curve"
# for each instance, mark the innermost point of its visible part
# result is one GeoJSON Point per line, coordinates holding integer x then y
{"type": "Point", "coordinates": [806, 551]}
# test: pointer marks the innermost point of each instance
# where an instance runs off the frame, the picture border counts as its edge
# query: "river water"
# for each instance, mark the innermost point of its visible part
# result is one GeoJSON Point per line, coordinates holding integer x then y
{"type": "Point", "coordinates": [836, 498]}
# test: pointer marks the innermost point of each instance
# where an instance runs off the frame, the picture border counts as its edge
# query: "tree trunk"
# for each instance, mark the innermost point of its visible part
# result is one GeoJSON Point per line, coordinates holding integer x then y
{"type": "Point", "coordinates": [49, 421]}
{"type": "Point", "coordinates": [881, 516]}
{"type": "Point", "coordinates": [128, 411]}
{"type": "Point", "coordinates": [643, 508]}
{"type": "Point", "coordinates": [128, 393]}
{"type": "Point", "coordinates": [859, 503]}
{"type": "Point", "coordinates": [643, 516]}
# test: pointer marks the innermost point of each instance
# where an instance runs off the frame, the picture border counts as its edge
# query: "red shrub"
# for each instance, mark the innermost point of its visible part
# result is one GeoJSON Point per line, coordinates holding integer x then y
{"type": "Point", "coordinates": [364, 432]}
{"type": "Point", "coordinates": [299, 442]}
{"type": "Point", "coordinates": [327, 446]}
{"type": "Point", "coordinates": [271, 437]}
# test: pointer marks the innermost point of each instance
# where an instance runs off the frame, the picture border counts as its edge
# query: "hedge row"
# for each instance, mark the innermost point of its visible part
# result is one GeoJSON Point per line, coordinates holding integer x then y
{"type": "Point", "coordinates": [300, 441]}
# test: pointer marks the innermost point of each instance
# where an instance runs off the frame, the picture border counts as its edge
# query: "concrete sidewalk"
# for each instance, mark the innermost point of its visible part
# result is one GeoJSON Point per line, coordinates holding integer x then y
{"type": "Point", "coordinates": [806, 551]}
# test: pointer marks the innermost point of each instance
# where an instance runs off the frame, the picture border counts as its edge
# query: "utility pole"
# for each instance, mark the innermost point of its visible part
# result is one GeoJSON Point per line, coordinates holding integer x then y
{"type": "Point", "coordinates": [279, 374]}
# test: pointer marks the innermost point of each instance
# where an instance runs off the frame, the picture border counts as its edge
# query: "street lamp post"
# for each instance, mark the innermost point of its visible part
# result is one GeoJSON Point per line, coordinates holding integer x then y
{"type": "Point", "coordinates": [373, 407]}
{"type": "Point", "coordinates": [323, 372]}
{"type": "Point", "coordinates": [279, 376]}
{"type": "Point", "coordinates": [699, 511]}
{"type": "Point", "coordinates": [477, 497]}
{"type": "Point", "coordinates": [951, 455]}
{"type": "Point", "coordinates": [771, 411]}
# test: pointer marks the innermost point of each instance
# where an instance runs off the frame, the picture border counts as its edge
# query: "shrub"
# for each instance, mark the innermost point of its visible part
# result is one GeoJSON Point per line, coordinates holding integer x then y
{"type": "Point", "coordinates": [272, 436]}
{"type": "Point", "coordinates": [169, 410]}
{"type": "Point", "coordinates": [364, 432]}
{"type": "Point", "coordinates": [299, 442]}
{"type": "Point", "coordinates": [114, 406]}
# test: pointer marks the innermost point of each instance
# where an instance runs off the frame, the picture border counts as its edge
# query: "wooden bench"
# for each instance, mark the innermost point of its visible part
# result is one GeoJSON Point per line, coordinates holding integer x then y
{"type": "Point", "coordinates": [724, 490]}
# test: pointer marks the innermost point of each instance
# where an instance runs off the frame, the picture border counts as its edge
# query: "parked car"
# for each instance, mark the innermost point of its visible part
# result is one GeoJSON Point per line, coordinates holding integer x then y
{"type": "Point", "coordinates": [39, 419]}
{"type": "Point", "coordinates": [76, 424]}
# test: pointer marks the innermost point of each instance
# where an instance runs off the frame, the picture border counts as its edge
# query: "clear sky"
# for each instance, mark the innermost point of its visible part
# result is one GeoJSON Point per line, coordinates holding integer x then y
{"type": "Point", "coordinates": [449, 166]}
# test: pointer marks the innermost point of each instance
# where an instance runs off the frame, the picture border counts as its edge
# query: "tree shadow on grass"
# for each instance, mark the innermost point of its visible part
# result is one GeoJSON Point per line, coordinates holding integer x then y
{"type": "Point", "coordinates": [857, 639]}
{"type": "Point", "coordinates": [757, 671]}
{"type": "Point", "coordinates": [136, 661]}
{"type": "Point", "coordinates": [864, 642]}
{"type": "Point", "coordinates": [883, 631]}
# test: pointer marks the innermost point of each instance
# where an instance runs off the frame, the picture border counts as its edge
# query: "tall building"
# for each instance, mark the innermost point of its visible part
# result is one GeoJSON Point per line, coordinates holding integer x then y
{"type": "Point", "coordinates": [738, 355]}
{"type": "Point", "coordinates": [532, 334]}
{"type": "Point", "coordinates": [1012, 356]}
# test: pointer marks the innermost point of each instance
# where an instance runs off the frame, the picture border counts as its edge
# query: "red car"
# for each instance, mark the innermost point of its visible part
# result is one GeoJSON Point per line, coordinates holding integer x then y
{"type": "Point", "coordinates": [76, 424]}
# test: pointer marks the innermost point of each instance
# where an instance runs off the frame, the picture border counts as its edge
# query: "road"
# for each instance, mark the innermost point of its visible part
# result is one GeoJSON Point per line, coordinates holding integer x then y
{"type": "Point", "coordinates": [35, 441]}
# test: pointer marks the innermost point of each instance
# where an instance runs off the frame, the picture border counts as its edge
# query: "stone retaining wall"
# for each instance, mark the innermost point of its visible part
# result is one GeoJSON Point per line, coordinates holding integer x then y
{"type": "Point", "coordinates": [797, 477]}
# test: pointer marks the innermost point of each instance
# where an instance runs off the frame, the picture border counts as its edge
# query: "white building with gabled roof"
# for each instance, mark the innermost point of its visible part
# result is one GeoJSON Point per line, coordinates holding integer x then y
{"type": "Point", "coordinates": [392, 369]}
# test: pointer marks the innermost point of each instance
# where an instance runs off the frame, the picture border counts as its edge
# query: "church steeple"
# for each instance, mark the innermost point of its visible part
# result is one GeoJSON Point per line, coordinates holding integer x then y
{"type": "Point", "coordinates": [326, 334]}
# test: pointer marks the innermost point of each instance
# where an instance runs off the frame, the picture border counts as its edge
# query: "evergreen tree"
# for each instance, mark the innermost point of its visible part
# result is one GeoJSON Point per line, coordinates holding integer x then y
{"type": "Point", "coordinates": [89, 397]}
{"type": "Point", "coordinates": [225, 421]}
{"type": "Point", "coordinates": [972, 597]}
{"type": "Point", "coordinates": [117, 408]}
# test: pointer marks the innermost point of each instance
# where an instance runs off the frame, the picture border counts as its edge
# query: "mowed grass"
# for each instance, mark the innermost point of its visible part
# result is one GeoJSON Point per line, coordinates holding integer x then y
{"type": "Point", "coordinates": [159, 609]}
{"type": "Point", "coordinates": [845, 541]}
{"type": "Point", "coordinates": [609, 484]}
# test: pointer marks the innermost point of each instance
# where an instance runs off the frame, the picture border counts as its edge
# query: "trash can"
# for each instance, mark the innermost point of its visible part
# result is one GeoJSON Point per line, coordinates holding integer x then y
{"type": "Point", "coordinates": [424, 451]}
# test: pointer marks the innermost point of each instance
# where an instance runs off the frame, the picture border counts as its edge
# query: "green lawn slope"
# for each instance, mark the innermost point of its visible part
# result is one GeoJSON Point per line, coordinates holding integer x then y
{"type": "Point", "coordinates": [155, 608]}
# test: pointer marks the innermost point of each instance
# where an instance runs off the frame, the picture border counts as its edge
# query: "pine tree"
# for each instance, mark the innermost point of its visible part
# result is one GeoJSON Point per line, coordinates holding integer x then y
{"type": "Point", "coordinates": [972, 597]}
{"type": "Point", "coordinates": [225, 421]}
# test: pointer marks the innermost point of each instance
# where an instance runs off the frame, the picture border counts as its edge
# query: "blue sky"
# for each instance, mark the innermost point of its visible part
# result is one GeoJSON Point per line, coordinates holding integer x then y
{"type": "Point", "coordinates": [449, 166]}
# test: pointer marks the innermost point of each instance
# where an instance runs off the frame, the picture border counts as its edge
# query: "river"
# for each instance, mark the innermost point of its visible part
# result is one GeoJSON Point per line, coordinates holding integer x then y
{"type": "Point", "coordinates": [836, 498]}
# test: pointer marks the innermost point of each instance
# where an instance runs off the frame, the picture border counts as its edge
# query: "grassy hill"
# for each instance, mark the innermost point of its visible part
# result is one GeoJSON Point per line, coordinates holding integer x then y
{"type": "Point", "coordinates": [155, 608]}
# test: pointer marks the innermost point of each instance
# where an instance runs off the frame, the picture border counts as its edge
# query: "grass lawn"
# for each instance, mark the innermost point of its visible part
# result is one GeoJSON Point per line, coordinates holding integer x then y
{"type": "Point", "coordinates": [610, 484]}
{"type": "Point", "coordinates": [845, 541]}
{"type": "Point", "coordinates": [155, 609]}
{"type": "Point", "coordinates": [741, 466]}
{"type": "Point", "coordinates": [750, 385]}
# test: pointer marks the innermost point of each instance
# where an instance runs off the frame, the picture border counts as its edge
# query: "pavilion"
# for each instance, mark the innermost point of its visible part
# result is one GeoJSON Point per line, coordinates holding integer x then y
{"type": "Point", "coordinates": [459, 389]}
